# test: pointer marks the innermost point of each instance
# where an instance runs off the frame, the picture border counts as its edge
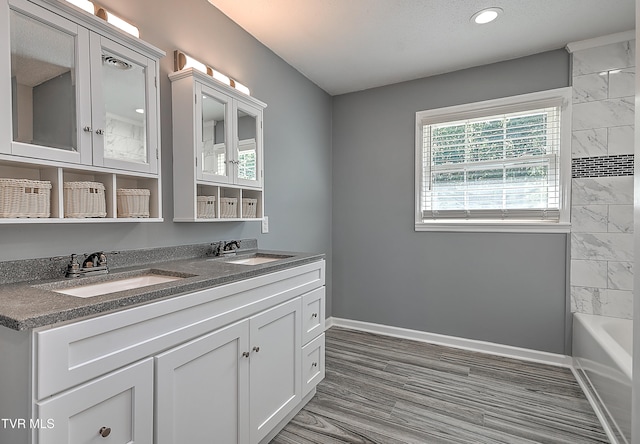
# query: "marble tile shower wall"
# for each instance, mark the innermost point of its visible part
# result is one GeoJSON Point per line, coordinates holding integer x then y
{"type": "Point", "coordinates": [602, 180]}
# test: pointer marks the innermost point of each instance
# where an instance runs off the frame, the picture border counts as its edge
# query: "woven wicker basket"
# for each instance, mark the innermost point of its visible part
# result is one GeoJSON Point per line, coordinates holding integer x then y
{"type": "Point", "coordinates": [84, 199]}
{"type": "Point", "coordinates": [25, 198]}
{"type": "Point", "coordinates": [249, 207]}
{"type": "Point", "coordinates": [228, 207]}
{"type": "Point", "coordinates": [133, 202]}
{"type": "Point", "coordinates": [206, 207]}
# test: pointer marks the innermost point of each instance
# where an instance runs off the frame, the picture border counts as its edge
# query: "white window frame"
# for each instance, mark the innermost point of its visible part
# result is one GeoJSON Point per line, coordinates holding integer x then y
{"type": "Point", "coordinates": [537, 100]}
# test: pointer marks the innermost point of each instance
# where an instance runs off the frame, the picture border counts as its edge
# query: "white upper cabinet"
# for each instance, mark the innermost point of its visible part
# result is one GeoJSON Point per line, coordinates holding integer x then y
{"type": "Point", "coordinates": [227, 126]}
{"type": "Point", "coordinates": [217, 150]}
{"type": "Point", "coordinates": [78, 91]}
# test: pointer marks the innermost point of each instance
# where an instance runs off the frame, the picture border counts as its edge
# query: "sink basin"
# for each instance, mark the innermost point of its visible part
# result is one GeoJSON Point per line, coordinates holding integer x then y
{"type": "Point", "coordinates": [87, 291]}
{"type": "Point", "coordinates": [254, 260]}
{"type": "Point", "coordinates": [257, 259]}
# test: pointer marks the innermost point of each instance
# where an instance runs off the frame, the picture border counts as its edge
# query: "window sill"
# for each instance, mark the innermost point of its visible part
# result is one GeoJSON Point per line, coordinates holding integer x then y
{"type": "Point", "coordinates": [492, 226]}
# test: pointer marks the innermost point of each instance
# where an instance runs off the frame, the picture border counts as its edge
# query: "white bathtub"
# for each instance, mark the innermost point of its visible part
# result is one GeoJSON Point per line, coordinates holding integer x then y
{"type": "Point", "coordinates": [602, 356]}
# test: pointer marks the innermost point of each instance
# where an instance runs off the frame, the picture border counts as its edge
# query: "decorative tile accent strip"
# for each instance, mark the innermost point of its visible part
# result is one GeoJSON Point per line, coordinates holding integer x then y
{"type": "Point", "coordinates": [602, 166]}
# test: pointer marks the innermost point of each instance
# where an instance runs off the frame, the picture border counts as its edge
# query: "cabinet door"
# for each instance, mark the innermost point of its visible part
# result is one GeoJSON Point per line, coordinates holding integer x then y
{"type": "Point", "coordinates": [49, 84]}
{"type": "Point", "coordinates": [248, 149]}
{"type": "Point", "coordinates": [202, 389]}
{"type": "Point", "coordinates": [118, 406]}
{"type": "Point", "coordinates": [124, 107]}
{"type": "Point", "coordinates": [215, 161]}
{"type": "Point", "coordinates": [275, 387]}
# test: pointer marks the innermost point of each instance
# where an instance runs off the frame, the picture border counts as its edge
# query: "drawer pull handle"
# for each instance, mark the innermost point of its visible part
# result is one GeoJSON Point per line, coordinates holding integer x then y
{"type": "Point", "coordinates": [315, 364]}
{"type": "Point", "coordinates": [245, 354]}
{"type": "Point", "coordinates": [256, 349]}
{"type": "Point", "coordinates": [104, 431]}
{"type": "Point", "coordinates": [315, 315]}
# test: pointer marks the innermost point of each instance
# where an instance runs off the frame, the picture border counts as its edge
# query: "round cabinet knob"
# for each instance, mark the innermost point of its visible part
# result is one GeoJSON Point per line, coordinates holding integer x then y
{"type": "Point", "coordinates": [256, 349]}
{"type": "Point", "coordinates": [315, 364]}
{"type": "Point", "coordinates": [104, 431]}
{"type": "Point", "coordinates": [245, 354]}
{"type": "Point", "coordinates": [315, 315]}
{"type": "Point", "coordinates": [87, 129]}
{"type": "Point", "coordinates": [99, 132]}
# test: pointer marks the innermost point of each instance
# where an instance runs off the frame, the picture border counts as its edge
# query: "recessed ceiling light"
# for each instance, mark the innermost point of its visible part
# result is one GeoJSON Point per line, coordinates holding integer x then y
{"type": "Point", "coordinates": [486, 15]}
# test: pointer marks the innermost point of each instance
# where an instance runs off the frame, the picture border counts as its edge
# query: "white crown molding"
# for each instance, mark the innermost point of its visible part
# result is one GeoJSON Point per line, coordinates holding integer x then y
{"type": "Point", "coordinates": [601, 41]}
{"type": "Point", "coordinates": [456, 342]}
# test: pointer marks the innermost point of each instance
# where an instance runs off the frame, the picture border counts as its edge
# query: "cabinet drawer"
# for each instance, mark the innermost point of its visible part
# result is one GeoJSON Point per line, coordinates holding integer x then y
{"type": "Point", "coordinates": [120, 405]}
{"type": "Point", "coordinates": [312, 364]}
{"type": "Point", "coordinates": [312, 314]}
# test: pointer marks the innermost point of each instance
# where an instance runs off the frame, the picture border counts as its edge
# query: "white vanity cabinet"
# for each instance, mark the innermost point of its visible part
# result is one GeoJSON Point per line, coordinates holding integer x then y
{"type": "Point", "coordinates": [81, 103]}
{"type": "Point", "coordinates": [217, 149]}
{"type": "Point", "coordinates": [226, 362]}
{"type": "Point", "coordinates": [236, 384]}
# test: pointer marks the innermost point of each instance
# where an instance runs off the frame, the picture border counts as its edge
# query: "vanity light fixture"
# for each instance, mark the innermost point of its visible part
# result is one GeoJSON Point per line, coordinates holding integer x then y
{"type": "Point", "coordinates": [486, 15]}
{"type": "Point", "coordinates": [182, 61]}
{"type": "Point", "coordinates": [220, 77]}
{"type": "Point", "coordinates": [117, 22]}
{"type": "Point", "coordinates": [99, 11]}
{"type": "Point", "coordinates": [243, 89]}
{"type": "Point", "coordinates": [83, 4]}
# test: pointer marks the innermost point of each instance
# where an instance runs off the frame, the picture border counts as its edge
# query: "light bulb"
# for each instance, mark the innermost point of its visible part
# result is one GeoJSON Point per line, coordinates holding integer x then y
{"type": "Point", "coordinates": [83, 4]}
{"type": "Point", "coordinates": [221, 77]}
{"type": "Point", "coordinates": [240, 87]}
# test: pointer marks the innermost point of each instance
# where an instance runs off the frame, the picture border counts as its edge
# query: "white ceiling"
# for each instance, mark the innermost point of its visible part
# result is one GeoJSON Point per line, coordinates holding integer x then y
{"type": "Point", "coordinates": [351, 45]}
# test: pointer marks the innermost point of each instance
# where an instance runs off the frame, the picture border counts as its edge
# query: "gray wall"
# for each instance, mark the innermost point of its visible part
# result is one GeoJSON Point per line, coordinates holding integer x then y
{"type": "Point", "coordinates": [297, 134]}
{"type": "Point", "coordinates": [503, 288]}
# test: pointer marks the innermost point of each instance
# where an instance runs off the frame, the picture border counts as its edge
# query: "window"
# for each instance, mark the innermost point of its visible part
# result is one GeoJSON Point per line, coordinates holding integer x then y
{"type": "Point", "coordinates": [499, 165]}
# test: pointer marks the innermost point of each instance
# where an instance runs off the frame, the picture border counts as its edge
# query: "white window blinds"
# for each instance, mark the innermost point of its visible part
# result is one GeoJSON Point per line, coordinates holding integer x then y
{"type": "Point", "coordinates": [499, 163]}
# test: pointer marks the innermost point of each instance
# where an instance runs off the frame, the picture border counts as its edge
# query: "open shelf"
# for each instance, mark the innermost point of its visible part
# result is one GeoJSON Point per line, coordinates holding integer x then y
{"type": "Point", "coordinates": [216, 196]}
{"type": "Point", "coordinates": [112, 180]}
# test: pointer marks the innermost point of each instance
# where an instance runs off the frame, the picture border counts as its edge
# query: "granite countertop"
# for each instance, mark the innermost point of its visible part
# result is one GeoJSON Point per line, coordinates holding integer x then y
{"type": "Point", "coordinates": [35, 303]}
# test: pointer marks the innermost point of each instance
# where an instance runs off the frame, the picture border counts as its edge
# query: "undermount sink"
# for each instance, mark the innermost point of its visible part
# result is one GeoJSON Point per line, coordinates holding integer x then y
{"type": "Point", "coordinates": [90, 290]}
{"type": "Point", "coordinates": [257, 259]}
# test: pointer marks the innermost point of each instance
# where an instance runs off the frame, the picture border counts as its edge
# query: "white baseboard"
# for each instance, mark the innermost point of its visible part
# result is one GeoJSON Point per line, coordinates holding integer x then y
{"type": "Point", "coordinates": [456, 342]}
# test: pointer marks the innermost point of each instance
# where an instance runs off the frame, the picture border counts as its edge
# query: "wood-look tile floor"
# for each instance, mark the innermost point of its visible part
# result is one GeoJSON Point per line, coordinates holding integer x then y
{"type": "Point", "coordinates": [386, 390]}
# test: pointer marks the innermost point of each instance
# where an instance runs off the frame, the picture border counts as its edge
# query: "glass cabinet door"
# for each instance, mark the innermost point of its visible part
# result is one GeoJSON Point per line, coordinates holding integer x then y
{"type": "Point", "coordinates": [49, 66]}
{"type": "Point", "coordinates": [215, 161]}
{"type": "Point", "coordinates": [248, 154]}
{"type": "Point", "coordinates": [124, 95]}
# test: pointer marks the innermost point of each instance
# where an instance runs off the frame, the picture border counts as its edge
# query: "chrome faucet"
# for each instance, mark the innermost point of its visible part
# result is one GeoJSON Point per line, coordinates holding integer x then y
{"type": "Point", "coordinates": [94, 263]}
{"type": "Point", "coordinates": [224, 248]}
{"type": "Point", "coordinates": [229, 247]}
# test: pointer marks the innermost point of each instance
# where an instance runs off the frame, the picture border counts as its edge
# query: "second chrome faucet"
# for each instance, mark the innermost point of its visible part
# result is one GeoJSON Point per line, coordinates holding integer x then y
{"type": "Point", "coordinates": [94, 263]}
